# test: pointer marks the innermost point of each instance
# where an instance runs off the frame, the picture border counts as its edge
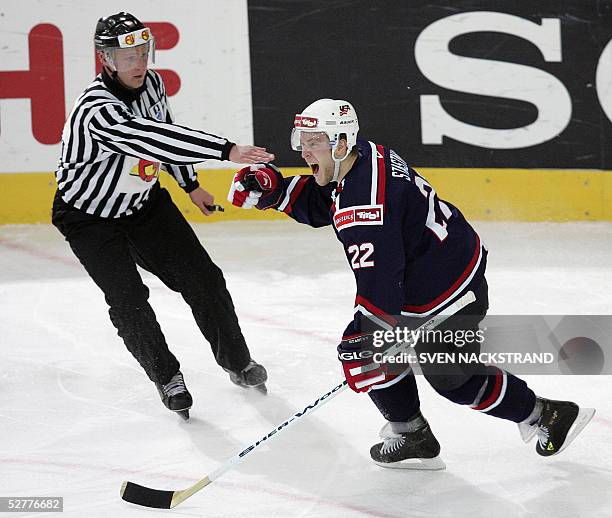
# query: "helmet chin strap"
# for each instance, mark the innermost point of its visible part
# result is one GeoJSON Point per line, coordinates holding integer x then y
{"type": "Point", "coordinates": [337, 162]}
{"type": "Point", "coordinates": [336, 170]}
{"type": "Point", "coordinates": [109, 65]}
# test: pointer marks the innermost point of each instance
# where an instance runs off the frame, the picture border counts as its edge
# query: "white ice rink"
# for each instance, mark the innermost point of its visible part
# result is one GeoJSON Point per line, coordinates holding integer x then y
{"type": "Point", "coordinates": [78, 416]}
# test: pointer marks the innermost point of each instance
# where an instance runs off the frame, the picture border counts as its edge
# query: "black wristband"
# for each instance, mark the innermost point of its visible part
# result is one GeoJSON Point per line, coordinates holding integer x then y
{"type": "Point", "coordinates": [225, 152]}
{"type": "Point", "coordinates": [191, 186]}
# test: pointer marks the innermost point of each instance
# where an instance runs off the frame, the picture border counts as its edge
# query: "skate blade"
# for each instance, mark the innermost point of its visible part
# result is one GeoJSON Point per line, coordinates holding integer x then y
{"type": "Point", "coordinates": [184, 414]}
{"type": "Point", "coordinates": [527, 431]}
{"type": "Point", "coordinates": [582, 419]}
{"type": "Point", "coordinates": [259, 388]}
{"type": "Point", "coordinates": [434, 464]}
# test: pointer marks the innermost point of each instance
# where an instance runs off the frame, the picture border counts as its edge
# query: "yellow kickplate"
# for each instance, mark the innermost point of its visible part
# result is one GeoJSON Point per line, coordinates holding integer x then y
{"type": "Point", "coordinates": [481, 194]}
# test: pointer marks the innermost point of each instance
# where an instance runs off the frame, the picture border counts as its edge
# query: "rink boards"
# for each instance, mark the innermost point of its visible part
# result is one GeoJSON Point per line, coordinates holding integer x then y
{"type": "Point", "coordinates": [506, 112]}
{"type": "Point", "coordinates": [482, 194]}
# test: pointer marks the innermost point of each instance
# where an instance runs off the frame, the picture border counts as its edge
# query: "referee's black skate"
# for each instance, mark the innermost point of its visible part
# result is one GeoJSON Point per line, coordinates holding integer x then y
{"type": "Point", "coordinates": [411, 449]}
{"type": "Point", "coordinates": [559, 424]}
{"type": "Point", "coordinates": [175, 395]}
{"type": "Point", "coordinates": [253, 375]}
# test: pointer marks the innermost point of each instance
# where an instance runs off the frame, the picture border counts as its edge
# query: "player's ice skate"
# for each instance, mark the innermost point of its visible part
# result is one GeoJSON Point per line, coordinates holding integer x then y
{"type": "Point", "coordinates": [559, 424]}
{"type": "Point", "coordinates": [417, 449]}
{"type": "Point", "coordinates": [253, 375]}
{"type": "Point", "coordinates": [175, 395]}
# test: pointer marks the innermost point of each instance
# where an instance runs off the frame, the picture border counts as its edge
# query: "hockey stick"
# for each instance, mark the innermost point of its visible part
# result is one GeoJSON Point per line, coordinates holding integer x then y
{"type": "Point", "coordinates": [161, 499]}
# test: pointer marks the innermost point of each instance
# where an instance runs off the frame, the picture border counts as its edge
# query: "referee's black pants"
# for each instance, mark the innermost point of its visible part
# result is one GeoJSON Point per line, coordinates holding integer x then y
{"type": "Point", "coordinates": [159, 239]}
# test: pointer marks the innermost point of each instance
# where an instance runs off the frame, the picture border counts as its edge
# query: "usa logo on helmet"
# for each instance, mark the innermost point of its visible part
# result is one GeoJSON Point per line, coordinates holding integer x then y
{"type": "Point", "coordinates": [344, 109]}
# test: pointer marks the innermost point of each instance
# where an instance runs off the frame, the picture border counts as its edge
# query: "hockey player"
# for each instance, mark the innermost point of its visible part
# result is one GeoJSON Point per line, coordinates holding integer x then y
{"type": "Point", "coordinates": [412, 254]}
{"type": "Point", "coordinates": [113, 213]}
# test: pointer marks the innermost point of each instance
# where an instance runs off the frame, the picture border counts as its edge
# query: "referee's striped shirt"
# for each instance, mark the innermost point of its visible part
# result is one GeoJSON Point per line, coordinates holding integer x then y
{"type": "Point", "coordinates": [115, 141]}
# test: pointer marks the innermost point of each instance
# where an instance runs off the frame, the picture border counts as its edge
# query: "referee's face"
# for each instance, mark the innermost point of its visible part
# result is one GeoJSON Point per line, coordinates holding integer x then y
{"type": "Point", "coordinates": [131, 65]}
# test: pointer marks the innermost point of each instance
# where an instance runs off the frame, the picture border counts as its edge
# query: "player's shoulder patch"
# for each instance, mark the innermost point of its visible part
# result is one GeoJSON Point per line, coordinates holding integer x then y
{"type": "Point", "coordinates": [358, 215]}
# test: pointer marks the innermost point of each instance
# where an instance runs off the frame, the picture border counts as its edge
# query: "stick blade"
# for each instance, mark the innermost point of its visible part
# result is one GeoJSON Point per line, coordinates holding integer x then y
{"type": "Point", "coordinates": [145, 496]}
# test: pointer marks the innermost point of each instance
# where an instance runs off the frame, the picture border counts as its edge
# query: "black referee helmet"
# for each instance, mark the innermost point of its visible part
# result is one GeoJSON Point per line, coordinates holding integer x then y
{"type": "Point", "coordinates": [109, 28]}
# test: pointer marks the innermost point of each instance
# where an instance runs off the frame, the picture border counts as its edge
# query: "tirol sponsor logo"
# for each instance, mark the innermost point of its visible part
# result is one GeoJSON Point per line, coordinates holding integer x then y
{"type": "Point", "coordinates": [344, 109]}
{"type": "Point", "coordinates": [372, 214]}
{"type": "Point", "coordinates": [359, 215]}
{"type": "Point", "coordinates": [305, 122]}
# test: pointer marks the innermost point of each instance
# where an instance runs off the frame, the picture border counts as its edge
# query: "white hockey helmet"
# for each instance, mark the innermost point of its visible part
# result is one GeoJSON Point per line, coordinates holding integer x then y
{"type": "Point", "coordinates": [332, 117]}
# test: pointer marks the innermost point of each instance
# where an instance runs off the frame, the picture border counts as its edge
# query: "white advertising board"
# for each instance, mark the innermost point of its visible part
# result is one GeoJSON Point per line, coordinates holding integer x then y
{"type": "Point", "coordinates": [46, 53]}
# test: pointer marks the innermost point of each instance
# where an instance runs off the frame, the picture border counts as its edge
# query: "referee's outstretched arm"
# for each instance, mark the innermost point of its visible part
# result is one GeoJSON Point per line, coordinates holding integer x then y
{"type": "Point", "coordinates": [116, 129]}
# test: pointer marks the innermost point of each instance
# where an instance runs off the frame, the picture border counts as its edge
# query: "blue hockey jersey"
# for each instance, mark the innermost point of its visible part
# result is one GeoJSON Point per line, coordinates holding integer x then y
{"type": "Point", "coordinates": [412, 253]}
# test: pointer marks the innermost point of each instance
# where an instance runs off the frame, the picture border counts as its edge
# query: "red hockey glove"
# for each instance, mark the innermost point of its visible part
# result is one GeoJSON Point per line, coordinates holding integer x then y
{"type": "Point", "coordinates": [258, 185]}
{"type": "Point", "coordinates": [360, 370]}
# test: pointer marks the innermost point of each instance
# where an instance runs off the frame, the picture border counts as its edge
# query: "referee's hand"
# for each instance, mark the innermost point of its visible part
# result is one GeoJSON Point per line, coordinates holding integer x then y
{"type": "Point", "coordinates": [200, 198]}
{"type": "Point", "coordinates": [249, 154]}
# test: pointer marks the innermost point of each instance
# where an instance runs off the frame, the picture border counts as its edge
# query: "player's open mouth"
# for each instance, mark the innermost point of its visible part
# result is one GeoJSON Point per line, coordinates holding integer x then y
{"type": "Point", "coordinates": [314, 168]}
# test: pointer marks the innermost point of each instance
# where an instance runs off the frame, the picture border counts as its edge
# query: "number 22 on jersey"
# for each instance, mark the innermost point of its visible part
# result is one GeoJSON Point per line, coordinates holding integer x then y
{"type": "Point", "coordinates": [360, 255]}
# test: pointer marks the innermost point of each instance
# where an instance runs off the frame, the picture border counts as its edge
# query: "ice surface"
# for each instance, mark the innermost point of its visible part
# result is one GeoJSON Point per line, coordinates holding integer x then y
{"type": "Point", "coordinates": [78, 416]}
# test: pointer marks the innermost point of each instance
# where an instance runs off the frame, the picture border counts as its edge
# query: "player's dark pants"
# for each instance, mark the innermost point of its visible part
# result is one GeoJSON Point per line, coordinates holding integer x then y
{"type": "Point", "coordinates": [484, 388]}
{"type": "Point", "coordinates": [160, 240]}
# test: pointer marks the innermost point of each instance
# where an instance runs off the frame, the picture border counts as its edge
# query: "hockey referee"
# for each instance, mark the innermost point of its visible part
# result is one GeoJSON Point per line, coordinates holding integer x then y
{"type": "Point", "coordinates": [113, 213]}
